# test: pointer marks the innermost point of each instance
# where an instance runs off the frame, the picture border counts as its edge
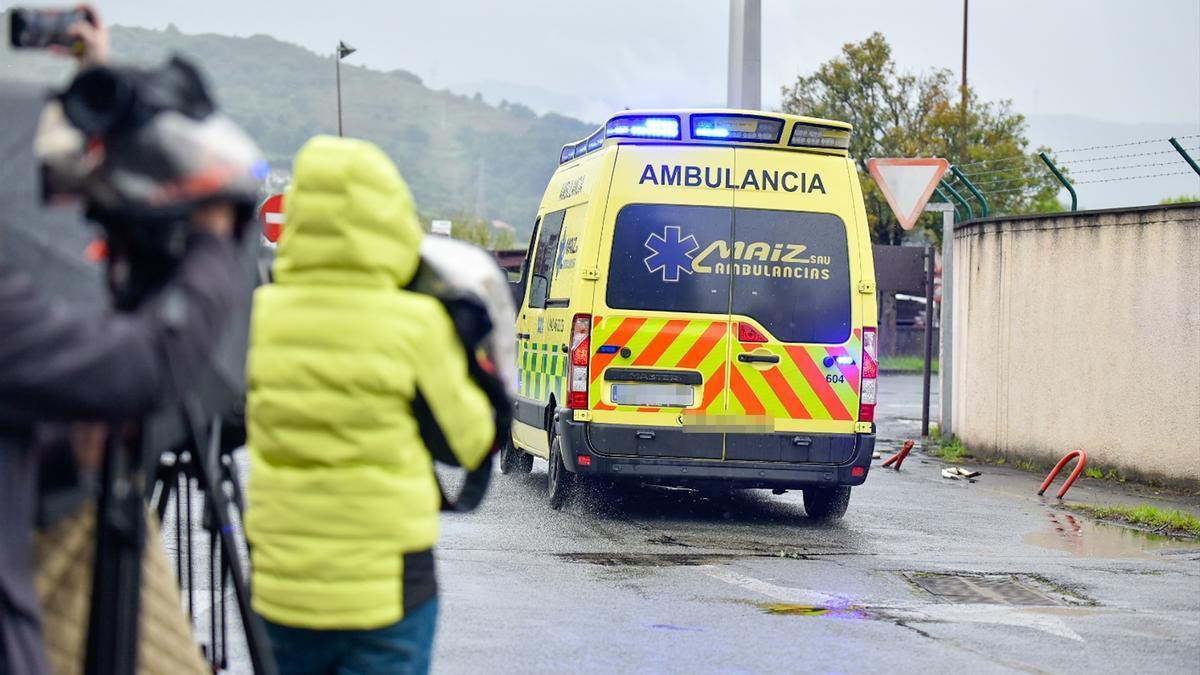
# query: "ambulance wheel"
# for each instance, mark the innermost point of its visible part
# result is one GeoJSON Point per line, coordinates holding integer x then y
{"type": "Point", "coordinates": [560, 485]}
{"type": "Point", "coordinates": [825, 504]}
{"type": "Point", "coordinates": [514, 460]}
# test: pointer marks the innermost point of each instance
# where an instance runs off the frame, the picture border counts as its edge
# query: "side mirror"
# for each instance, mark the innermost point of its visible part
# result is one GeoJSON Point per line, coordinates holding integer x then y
{"type": "Point", "coordinates": [518, 293]}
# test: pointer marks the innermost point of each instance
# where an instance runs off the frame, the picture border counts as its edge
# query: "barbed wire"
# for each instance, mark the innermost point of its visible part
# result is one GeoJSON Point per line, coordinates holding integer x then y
{"type": "Point", "coordinates": [1172, 151]}
{"type": "Point", "coordinates": [998, 160]}
{"type": "Point", "coordinates": [1122, 145]}
{"type": "Point", "coordinates": [1027, 188]}
{"type": "Point", "coordinates": [989, 172]}
{"type": "Point", "coordinates": [1126, 166]}
{"type": "Point", "coordinates": [1152, 175]}
{"type": "Point", "coordinates": [1013, 158]}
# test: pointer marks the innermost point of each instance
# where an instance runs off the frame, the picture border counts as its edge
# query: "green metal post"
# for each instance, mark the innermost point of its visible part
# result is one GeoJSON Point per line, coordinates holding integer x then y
{"type": "Point", "coordinates": [959, 198]}
{"type": "Point", "coordinates": [1186, 157]}
{"type": "Point", "coordinates": [1061, 178]}
{"type": "Point", "coordinates": [946, 198]}
{"type": "Point", "coordinates": [971, 186]}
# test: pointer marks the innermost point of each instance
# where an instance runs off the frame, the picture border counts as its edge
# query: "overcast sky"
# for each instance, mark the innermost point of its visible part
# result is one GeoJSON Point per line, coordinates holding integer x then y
{"type": "Point", "coordinates": [1113, 60]}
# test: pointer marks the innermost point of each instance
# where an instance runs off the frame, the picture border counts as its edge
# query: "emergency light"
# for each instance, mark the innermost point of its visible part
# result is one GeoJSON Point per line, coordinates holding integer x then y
{"type": "Point", "coordinates": [817, 136]}
{"type": "Point", "coordinates": [639, 126]}
{"type": "Point", "coordinates": [737, 128]}
{"type": "Point", "coordinates": [712, 127]}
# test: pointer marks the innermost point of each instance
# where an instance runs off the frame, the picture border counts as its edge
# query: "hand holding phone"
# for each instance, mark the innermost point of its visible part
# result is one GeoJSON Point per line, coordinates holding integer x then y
{"type": "Point", "coordinates": [76, 31]}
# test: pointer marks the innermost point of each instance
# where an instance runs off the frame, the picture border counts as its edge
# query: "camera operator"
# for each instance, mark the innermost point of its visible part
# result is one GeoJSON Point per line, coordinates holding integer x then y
{"type": "Point", "coordinates": [59, 366]}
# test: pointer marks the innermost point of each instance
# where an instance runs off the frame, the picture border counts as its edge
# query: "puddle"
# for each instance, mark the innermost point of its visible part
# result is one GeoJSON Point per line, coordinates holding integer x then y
{"type": "Point", "coordinates": [1088, 539]}
{"type": "Point", "coordinates": [646, 559]}
{"type": "Point", "coordinates": [791, 609]}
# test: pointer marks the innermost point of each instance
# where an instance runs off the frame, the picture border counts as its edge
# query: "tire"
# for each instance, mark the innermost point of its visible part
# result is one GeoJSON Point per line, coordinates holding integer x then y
{"type": "Point", "coordinates": [513, 460]}
{"type": "Point", "coordinates": [560, 483]}
{"type": "Point", "coordinates": [826, 504]}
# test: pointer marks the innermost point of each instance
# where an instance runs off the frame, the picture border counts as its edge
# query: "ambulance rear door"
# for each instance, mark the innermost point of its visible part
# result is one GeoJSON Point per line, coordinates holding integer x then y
{"type": "Point", "coordinates": [795, 312]}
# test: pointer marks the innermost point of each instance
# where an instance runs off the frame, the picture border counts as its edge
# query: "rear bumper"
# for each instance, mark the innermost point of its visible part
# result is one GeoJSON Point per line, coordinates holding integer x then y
{"type": "Point", "coordinates": [576, 440]}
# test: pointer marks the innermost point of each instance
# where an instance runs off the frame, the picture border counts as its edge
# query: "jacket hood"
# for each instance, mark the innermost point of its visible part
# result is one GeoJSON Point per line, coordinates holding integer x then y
{"type": "Point", "coordinates": [350, 218]}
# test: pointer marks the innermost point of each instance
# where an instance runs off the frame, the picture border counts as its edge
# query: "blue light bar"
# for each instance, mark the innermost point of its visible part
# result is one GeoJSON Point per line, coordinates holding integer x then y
{"type": "Point", "coordinates": [596, 140]}
{"type": "Point", "coordinates": [637, 126]}
{"type": "Point", "coordinates": [568, 153]}
{"type": "Point", "coordinates": [737, 127]}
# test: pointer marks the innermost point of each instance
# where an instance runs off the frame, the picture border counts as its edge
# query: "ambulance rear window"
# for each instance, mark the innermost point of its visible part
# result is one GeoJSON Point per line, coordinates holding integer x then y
{"type": "Point", "coordinates": [791, 273]}
{"type": "Point", "coordinates": [787, 270]}
{"type": "Point", "coordinates": [654, 249]}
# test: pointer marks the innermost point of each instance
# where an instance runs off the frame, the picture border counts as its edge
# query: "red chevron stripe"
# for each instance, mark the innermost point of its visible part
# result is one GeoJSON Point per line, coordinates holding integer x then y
{"type": "Point", "coordinates": [816, 380]}
{"type": "Point", "coordinates": [661, 343]}
{"type": "Point", "coordinates": [787, 396]}
{"type": "Point", "coordinates": [708, 339]}
{"type": "Point", "coordinates": [741, 389]}
{"type": "Point", "coordinates": [713, 386]}
{"type": "Point", "coordinates": [624, 332]}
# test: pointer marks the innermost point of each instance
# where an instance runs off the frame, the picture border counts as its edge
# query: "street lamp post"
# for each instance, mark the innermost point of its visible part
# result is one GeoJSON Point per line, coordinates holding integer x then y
{"type": "Point", "coordinates": [343, 50]}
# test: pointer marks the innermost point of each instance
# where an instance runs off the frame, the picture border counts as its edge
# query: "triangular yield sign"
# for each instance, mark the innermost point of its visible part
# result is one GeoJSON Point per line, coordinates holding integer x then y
{"type": "Point", "coordinates": [907, 183]}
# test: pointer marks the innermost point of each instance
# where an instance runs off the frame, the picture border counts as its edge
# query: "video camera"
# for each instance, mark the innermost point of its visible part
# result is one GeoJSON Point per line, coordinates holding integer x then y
{"type": "Point", "coordinates": [144, 149]}
{"type": "Point", "coordinates": [140, 150]}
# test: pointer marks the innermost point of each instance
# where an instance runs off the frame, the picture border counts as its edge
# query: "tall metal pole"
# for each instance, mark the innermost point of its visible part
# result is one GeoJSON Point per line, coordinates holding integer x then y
{"type": "Point", "coordinates": [964, 54]}
{"type": "Point", "coordinates": [745, 54]}
{"type": "Point", "coordinates": [337, 56]}
{"type": "Point", "coordinates": [926, 371]}
{"type": "Point", "coordinates": [962, 143]}
{"type": "Point", "coordinates": [946, 329]}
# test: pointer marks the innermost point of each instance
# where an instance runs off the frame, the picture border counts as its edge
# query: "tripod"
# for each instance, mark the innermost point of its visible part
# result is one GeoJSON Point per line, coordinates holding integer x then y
{"type": "Point", "coordinates": [205, 460]}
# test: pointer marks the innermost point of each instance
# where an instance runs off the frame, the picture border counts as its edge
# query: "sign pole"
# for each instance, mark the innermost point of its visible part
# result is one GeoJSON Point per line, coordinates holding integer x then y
{"type": "Point", "coordinates": [925, 374]}
{"type": "Point", "coordinates": [946, 329]}
{"type": "Point", "coordinates": [947, 210]}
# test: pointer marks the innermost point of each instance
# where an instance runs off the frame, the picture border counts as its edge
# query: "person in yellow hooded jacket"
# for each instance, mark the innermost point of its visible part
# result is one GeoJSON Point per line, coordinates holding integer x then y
{"type": "Point", "coordinates": [342, 511]}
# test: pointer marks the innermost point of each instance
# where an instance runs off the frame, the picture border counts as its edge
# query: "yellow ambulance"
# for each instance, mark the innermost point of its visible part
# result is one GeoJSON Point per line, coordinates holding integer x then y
{"type": "Point", "coordinates": [697, 308]}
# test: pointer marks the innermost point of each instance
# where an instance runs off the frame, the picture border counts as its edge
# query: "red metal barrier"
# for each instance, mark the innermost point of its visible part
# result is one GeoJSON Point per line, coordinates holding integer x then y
{"type": "Point", "coordinates": [898, 458]}
{"type": "Point", "coordinates": [1059, 467]}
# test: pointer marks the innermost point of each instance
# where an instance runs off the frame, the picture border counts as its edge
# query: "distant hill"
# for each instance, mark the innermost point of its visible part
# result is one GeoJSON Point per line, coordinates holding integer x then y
{"type": "Point", "coordinates": [461, 156]}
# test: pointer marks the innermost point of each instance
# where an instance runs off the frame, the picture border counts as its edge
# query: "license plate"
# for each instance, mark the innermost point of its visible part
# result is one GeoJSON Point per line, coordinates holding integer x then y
{"type": "Point", "coordinates": [654, 395]}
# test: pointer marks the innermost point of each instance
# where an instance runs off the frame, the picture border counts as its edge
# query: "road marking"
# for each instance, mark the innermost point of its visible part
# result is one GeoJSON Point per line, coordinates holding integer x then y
{"type": "Point", "coordinates": [1021, 617]}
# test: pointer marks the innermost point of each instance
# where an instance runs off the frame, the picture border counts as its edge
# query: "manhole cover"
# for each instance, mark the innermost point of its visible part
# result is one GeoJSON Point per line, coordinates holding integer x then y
{"type": "Point", "coordinates": [994, 589]}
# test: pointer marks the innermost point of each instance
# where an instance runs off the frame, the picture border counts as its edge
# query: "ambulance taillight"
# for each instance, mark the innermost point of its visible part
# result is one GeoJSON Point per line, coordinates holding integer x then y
{"type": "Point", "coordinates": [870, 376]}
{"type": "Point", "coordinates": [581, 338]}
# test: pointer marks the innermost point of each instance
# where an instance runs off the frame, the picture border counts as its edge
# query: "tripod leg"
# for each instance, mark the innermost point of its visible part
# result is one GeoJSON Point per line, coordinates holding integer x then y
{"type": "Point", "coordinates": [218, 504]}
{"type": "Point", "coordinates": [112, 637]}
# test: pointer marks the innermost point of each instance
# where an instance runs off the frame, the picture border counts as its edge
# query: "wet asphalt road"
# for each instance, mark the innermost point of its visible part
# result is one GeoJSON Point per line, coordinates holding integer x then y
{"type": "Point", "coordinates": [654, 580]}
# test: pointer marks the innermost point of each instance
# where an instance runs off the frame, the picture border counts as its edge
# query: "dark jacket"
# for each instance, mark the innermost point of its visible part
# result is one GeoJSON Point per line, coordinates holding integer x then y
{"type": "Point", "coordinates": [61, 365]}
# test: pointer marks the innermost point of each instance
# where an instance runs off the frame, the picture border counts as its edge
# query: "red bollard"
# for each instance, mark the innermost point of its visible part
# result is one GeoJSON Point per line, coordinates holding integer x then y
{"type": "Point", "coordinates": [1059, 467]}
{"type": "Point", "coordinates": [898, 458]}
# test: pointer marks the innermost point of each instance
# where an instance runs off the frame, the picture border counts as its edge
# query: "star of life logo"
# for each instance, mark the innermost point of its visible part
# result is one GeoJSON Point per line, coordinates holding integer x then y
{"type": "Point", "coordinates": [670, 253]}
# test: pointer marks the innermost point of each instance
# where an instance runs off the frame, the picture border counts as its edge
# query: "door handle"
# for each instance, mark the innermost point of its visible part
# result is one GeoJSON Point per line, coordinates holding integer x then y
{"type": "Point", "coordinates": [565, 348]}
{"type": "Point", "coordinates": [523, 336]}
{"type": "Point", "coordinates": [758, 358]}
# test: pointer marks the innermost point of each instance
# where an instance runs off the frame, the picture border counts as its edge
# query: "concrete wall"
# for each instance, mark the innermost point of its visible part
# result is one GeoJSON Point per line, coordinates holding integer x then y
{"type": "Point", "coordinates": [1082, 331]}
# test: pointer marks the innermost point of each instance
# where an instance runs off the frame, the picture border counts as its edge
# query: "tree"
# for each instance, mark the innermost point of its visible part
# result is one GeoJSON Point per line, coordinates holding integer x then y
{"type": "Point", "coordinates": [1181, 199]}
{"type": "Point", "coordinates": [921, 115]}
